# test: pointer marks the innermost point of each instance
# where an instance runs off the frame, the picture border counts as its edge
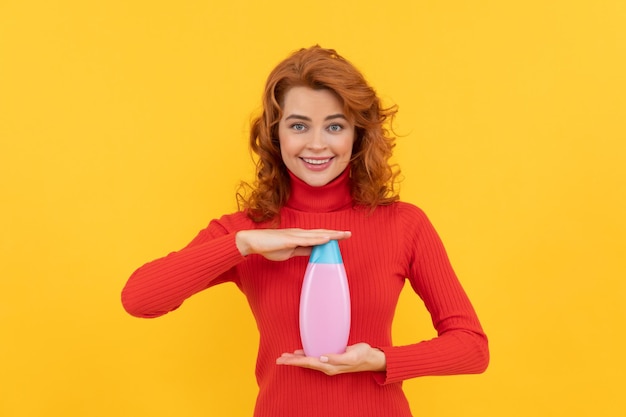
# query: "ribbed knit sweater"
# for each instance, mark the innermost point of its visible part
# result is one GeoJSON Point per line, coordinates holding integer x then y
{"type": "Point", "coordinates": [389, 245]}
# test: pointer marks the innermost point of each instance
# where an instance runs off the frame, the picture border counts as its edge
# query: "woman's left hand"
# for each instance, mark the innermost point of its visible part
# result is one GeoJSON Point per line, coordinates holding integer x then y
{"type": "Point", "coordinates": [357, 358]}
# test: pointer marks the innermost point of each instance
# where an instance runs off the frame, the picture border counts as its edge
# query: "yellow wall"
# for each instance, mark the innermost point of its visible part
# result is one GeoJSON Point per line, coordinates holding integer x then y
{"type": "Point", "coordinates": [123, 132]}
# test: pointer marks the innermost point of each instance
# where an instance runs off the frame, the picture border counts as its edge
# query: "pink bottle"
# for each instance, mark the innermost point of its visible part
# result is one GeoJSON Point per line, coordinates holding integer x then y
{"type": "Point", "coordinates": [325, 303]}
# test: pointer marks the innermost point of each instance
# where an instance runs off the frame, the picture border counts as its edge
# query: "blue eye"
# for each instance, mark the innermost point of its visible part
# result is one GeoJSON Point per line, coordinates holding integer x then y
{"type": "Point", "coordinates": [335, 128]}
{"type": "Point", "coordinates": [299, 127]}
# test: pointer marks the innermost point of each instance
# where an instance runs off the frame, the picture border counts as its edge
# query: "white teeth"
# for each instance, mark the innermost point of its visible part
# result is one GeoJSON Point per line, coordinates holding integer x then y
{"type": "Point", "coordinates": [315, 161]}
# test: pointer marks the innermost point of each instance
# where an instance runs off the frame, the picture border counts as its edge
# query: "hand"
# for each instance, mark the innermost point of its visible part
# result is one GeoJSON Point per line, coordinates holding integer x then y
{"type": "Point", "coordinates": [357, 358]}
{"type": "Point", "coordinates": [282, 244]}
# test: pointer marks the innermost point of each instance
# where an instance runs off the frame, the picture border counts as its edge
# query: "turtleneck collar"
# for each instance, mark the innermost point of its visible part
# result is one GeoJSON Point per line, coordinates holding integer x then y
{"type": "Point", "coordinates": [333, 196]}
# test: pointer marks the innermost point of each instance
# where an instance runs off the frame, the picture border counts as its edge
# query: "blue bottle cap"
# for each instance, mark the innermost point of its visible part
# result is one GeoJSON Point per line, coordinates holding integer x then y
{"type": "Point", "coordinates": [328, 253]}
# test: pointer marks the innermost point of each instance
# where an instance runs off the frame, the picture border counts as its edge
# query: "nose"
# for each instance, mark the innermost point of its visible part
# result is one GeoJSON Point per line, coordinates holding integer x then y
{"type": "Point", "coordinates": [317, 140]}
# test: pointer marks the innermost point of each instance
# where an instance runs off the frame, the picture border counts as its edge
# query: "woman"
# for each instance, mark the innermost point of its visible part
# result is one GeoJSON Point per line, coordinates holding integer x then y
{"type": "Point", "coordinates": [322, 174]}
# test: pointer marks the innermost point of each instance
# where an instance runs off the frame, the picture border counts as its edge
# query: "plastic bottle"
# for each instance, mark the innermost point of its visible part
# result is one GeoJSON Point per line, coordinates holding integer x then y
{"type": "Point", "coordinates": [325, 302]}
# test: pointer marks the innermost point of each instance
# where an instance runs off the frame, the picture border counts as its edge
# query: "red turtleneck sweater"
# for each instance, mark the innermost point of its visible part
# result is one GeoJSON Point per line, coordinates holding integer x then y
{"type": "Point", "coordinates": [388, 246]}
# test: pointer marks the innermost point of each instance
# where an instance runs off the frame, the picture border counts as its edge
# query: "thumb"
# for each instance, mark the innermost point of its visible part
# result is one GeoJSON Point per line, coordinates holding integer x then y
{"type": "Point", "coordinates": [302, 251]}
{"type": "Point", "coordinates": [331, 359]}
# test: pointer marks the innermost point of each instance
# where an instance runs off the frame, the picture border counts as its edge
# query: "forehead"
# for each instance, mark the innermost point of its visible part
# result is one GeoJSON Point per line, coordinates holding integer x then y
{"type": "Point", "coordinates": [311, 101]}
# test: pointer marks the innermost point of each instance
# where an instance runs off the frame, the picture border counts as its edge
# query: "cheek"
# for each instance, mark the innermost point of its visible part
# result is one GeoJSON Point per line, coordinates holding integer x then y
{"type": "Point", "coordinates": [284, 153]}
{"type": "Point", "coordinates": [348, 146]}
{"type": "Point", "coordinates": [282, 143]}
{"type": "Point", "coordinates": [285, 149]}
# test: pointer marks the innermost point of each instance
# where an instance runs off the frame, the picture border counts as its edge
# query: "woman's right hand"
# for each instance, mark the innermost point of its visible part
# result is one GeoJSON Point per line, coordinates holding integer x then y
{"type": "Point", "coordinates": [282, 244]}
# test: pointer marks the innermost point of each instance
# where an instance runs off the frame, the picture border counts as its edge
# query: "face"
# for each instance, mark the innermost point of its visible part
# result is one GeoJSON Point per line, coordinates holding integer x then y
{"type": "Point", "coordinates": [315, 135]}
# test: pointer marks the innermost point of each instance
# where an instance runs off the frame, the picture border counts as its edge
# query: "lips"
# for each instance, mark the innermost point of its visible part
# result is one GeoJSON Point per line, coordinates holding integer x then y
{"type": "Point", "coordinates": [316, 161]}
{"type": "Point", "coordinates": [317, 164]}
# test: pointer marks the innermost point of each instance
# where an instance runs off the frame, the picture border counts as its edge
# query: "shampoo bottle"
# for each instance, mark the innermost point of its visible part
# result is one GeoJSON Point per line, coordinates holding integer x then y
{"type": "Point", "coordinates": [325, 302]}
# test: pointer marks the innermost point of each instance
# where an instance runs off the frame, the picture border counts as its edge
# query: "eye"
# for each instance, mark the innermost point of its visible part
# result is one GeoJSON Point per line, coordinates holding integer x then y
{"type": "Point", "coordinates": [298, 127]}
{"type": "Point", "coordinates": [335, 128]}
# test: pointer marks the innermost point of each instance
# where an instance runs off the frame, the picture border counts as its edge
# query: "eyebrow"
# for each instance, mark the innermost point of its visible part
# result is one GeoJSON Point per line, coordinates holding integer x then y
{"type": "Point", "coordinates": [308, 119]}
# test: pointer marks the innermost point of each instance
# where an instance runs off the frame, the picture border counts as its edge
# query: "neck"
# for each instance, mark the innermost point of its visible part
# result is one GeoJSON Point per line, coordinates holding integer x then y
{"type": "Point", "coordinates": [330, 197]}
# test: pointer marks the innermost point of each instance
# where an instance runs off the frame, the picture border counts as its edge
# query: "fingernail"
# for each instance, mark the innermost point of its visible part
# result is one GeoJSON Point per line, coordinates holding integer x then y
{"type": "Point", "coordinates": [323, 358]}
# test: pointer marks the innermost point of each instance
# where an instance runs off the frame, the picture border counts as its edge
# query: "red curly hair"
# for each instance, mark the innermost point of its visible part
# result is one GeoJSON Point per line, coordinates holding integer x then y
{"type": "Point", "coordinates": [373, 178]}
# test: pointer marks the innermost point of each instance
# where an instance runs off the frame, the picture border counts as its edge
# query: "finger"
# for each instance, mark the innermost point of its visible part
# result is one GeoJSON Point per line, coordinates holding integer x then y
{"type": "Point", "coordinates": [297, 353]}
{"type": "Point", "coordinates": [283, 358]}
{"type": "Point", "coordinates": [331, 359]}
{"type": "Point", "coordinates": [319, 238]}
{"type": "Point", "coordinates": [295, 360]}
{"type": "Point", "coordinates": [323, 233]}
{"type": "Point", "coordinates": [337, 234]}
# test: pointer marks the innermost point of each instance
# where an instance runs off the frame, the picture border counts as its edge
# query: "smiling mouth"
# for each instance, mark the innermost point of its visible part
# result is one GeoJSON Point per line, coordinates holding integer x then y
{"type": "Point", "coordinates": [316, 161]}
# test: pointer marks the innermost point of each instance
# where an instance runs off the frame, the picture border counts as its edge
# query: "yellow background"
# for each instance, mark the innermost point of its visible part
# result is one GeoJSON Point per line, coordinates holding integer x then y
{"type": "Point", "coordinates": [123, 131]}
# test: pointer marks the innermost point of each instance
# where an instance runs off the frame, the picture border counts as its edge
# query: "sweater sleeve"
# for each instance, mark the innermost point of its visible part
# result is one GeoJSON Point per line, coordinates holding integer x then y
{"type": "Point", "coordinates": [162, 285]}
{"type": "Point", "coordinates": [461, 345]}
